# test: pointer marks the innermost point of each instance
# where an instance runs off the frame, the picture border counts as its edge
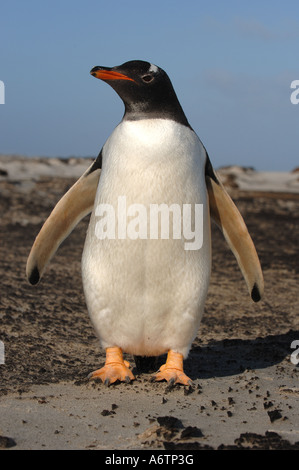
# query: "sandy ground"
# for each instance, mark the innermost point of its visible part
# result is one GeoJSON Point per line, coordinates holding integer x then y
{"type": "Point", "coordinates": [246, 386]}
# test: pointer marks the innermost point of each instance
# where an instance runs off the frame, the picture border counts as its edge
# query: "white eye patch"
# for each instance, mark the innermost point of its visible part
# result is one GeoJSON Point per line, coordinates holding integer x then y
{"type": "Point", "coordinates": [153, 68]}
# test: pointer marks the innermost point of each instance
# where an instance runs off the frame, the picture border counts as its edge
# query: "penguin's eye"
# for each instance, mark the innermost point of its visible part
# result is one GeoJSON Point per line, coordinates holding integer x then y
{"type": "Point", "coordinates": [147, 78]}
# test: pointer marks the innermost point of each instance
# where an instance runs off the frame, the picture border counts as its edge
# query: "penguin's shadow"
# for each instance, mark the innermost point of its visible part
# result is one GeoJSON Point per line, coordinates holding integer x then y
{"type": "Point", "coordinates": [233, 356]}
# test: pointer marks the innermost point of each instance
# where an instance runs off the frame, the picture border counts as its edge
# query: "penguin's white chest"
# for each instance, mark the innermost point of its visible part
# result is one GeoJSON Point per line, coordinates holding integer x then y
{"type": "Point", "coordinates": [146, 260]}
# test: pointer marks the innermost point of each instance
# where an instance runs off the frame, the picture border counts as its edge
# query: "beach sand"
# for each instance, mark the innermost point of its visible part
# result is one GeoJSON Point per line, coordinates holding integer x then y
{"type": "Point", "coordinates": [246, 386]}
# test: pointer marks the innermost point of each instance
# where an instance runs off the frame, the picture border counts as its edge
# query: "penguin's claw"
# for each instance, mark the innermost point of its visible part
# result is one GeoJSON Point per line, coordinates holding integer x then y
{"type": "Point", "coordinates": [111, 373]}
{"type": "Point", "coordinates": [172, 371]}
{"type": "Point", "coordinates": [115, 368]}
{"type": "Point", "coordinates": [172, 376]}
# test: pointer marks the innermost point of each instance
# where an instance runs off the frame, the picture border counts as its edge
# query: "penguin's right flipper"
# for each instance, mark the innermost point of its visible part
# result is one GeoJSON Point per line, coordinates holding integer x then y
{"type": "Point", "coordinates": [72, 207]}
{"type": "Point", "coordinates": [229, 220]}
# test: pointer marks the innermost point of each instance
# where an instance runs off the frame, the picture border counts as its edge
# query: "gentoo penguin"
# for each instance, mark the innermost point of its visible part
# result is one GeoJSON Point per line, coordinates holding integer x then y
{"type": "Point", "coordinates": [145, 294]}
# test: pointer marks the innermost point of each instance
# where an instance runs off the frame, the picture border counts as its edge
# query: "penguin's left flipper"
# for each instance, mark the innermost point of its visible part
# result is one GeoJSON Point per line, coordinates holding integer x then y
{"type": "Point", "coordinates": [226, 215]}
{"type": "Point", "coordinates": [72, 207]}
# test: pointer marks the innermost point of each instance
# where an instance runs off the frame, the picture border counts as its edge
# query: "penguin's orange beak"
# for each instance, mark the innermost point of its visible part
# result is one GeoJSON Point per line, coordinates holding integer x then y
{"type": "Point", "coordinates": [106, 74]}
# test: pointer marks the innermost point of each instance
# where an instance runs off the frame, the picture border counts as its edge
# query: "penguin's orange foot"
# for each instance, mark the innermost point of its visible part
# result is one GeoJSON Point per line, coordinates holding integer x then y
{"type": "Point", "coordinates": [115, 368]}
{"type": "Point", "coordinates": [173, 371]}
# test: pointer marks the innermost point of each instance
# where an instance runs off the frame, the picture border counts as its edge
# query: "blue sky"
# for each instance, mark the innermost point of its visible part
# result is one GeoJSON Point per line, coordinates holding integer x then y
{"type": "Point", "coordinates": [231, 63]}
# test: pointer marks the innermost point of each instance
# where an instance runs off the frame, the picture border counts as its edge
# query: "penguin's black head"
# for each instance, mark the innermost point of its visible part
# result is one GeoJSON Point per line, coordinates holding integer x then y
{"type": "Point", "coordinates": [145, 89]}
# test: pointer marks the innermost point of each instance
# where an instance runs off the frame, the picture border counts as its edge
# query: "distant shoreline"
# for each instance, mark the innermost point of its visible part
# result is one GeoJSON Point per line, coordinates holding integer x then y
{"type": "Point", "coordinates": [234, 177]}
